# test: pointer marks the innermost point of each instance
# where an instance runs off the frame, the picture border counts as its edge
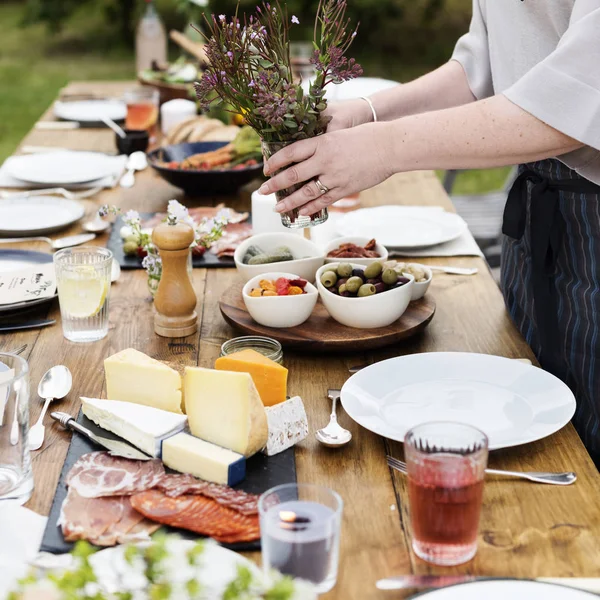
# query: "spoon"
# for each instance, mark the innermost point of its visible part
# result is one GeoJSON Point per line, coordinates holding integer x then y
{"type": "Point", "coordinates": [115, 271]}
{"type": "Point", "coordinates": [116, 128]}
{"type": "Point", "coordinates": [96, 225]}
{"type": "Point", "coordinates": [334, 435]}
{"type": "Point", "coordinates": [57, 244]}
{"type": "Point", "coordinates": [55, 384]}
{"type": "Point", "coordinates": [136, 162]}
{"type": "Point", "coordinates": [454, 270]}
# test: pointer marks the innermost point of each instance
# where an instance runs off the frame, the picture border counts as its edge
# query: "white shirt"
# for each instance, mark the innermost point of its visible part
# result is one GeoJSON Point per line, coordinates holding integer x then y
{"type": "Point", "coordinates": [543, 55]}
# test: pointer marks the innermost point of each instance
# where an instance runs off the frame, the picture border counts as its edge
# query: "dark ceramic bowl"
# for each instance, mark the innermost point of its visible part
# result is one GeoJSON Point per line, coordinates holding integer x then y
{"type": "Point", "coordinates": [136, 141]}
{"type": "Point", "coordinates": [201, 183]}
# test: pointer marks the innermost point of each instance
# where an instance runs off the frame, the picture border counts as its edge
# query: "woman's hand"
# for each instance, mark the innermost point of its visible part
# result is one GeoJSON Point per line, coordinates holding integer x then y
{"type": "Point", "coordinates": [347, 114]}
{"type": "Point", "coordinates": [345, 161]}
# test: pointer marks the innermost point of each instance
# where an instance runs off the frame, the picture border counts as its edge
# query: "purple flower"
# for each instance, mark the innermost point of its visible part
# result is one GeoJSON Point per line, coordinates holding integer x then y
{"type": "Point", "coordinates": [230, 54]}
{"type": "Point", "coordinates": [295, 20]}
{"type": "Point", "coordinates": [251, 83]}
{"type": "Point", "coordinates": [222, 18]}
{"type": "Point", "coordinates": [258, 9]}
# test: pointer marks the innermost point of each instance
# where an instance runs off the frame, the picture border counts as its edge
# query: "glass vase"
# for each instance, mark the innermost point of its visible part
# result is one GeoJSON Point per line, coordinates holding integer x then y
{"type": "Point", "coordinates": [292, 218]}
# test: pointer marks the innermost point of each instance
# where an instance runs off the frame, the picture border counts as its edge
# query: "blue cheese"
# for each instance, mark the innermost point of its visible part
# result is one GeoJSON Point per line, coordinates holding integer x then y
{"type": "Point", "coordinates": [143, 426]}
{"type": "Point", "coordinates": [287, 425]}
{"type": "Point", "coordinates": [188, 454]}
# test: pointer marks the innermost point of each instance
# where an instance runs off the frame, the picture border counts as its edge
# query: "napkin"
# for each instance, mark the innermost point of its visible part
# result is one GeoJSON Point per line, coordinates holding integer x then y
{"type": "Point", "coordinates": [21, 535]}
{"type": "Point", "coordinates": [465, 245]}
{"type": "Point", "coordinates": [7, 181]}
{"type": "Point", "coordinates": [33, 283]}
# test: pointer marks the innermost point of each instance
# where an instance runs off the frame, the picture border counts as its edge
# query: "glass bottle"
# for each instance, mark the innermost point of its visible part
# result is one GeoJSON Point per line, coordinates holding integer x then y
{"type": "Point", "coordinates": [151, 39]}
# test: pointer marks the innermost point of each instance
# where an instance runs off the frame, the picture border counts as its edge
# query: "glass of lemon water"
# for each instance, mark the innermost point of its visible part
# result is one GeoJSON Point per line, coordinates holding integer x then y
{"type": "Point", "coordinates": [83, 281]}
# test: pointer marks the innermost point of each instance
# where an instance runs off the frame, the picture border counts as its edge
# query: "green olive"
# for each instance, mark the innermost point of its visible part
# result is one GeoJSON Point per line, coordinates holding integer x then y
{"type": "Point", "coordinates": [344, 270]}
{"type": "Point", "coordinates": [342, 289]}
{"type": "Point", "coordinates": [353, 284]}
{"type": "Point", "coordinates": [130, 248]}
{"type": "Point", "coordinates": [132, 238]}
{"type": "Point", "coordinates": [328, 279]}
{"type": "Point", "coordinates": [373, 270]}
{"type": "Point", "coordinates": [368, 289]}
{"type": "Point", "coordinates": [389, 277]}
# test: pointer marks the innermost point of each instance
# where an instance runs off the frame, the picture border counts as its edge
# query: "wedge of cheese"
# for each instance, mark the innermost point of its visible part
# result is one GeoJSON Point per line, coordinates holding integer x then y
{"type": "Point", "coordinates": [287, 424]}
{"type": "Point", "coordinates": [143, 426]}
{"type": "Point", "coordinates": [224, 408]}
{"type": "Point", "coordinates": [131, 376]}
{"type": "Point", "coordinates": [269, 377]}
{"type": "Point", "coordinates": [188, 454]}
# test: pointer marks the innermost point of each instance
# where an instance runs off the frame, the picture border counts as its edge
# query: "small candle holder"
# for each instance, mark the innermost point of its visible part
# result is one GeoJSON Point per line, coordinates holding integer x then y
{"type": "Point", "coordinates": [300, 533]}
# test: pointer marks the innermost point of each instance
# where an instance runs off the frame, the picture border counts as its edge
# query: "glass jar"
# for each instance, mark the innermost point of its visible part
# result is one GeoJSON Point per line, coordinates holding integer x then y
{"type": "Point", "coordinates": [266, 346]}
{"type": "Point", "coordinates": [292, 218]}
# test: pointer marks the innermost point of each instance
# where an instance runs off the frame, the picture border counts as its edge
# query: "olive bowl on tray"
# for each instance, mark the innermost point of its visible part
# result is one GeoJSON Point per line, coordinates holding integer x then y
{"type": "Point", "coordinates": [168, 160]}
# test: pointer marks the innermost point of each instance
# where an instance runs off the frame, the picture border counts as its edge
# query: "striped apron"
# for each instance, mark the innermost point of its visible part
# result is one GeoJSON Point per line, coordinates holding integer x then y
{"type": "Point", "coordinates": [551, 280]}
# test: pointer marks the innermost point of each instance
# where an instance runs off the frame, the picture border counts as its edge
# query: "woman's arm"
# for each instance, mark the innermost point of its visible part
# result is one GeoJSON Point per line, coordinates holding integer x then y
{"type": "Point", "coordinates": [488, 133]}
{"type": "Point", "coordinates": [443, 88]}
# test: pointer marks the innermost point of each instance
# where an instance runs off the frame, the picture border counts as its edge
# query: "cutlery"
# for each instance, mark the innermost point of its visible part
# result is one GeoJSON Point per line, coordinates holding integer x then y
{"type": "Point", "coordinates": [58, 243]}
{"type": "Point", "coordinates": [358, 368]}
{"type": "Point", "coordinates": [52, 191]}
{"type": "Point", "coordinates": [55, 385]}
{"type": "Point", "coordinates": [550, 478]}
{"type": "Point", "coordinates": [115, 447]}
{"type": "Point", "coordinates": [115, 271]}
{"type": "Point", "coordinates": [27, 325]}
{"type": "Point", "coordinates": [334, 435]}
{"type": "Point", "coordinates": [404, 582]}
{"type": "Point", "coordinates": [57, 125]}
{"type": "Point", "coordinates": [136, 162]}
{"type": "Point", "coordinates": [96, 225]}
{"type": "Point", "coordinates": [454, 270]}
{"type": "Point", "coordinates": [19, 350]}
{"type": "Point", "coordinates": [118, 130]}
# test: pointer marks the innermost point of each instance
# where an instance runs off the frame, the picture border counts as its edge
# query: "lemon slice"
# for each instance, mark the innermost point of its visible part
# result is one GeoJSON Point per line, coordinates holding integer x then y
{"type": "Point", "coordinates": [82, 292]}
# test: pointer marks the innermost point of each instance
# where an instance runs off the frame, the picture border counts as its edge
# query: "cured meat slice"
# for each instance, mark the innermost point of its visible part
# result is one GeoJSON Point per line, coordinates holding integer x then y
{"type": "Point", "coordinates": [103, 521]}
{"type": "Point", "coordinates": [198, 213]}
{"type": "Point", "coordinates": [99, 474]}
{"type": "Point", "coordinates": [199, 514]}
{"type": "Point", "coordinates": [233, 235]}
{"type": "Point", "coordinates": [178, 485]}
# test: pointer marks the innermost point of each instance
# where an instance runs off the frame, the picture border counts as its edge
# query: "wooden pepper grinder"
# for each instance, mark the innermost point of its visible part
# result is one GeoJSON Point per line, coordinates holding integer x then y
{"type": "Point", "coordinates": [175, 299]}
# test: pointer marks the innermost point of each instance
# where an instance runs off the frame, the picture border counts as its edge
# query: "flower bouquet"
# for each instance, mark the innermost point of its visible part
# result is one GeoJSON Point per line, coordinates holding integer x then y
{"type": "Point", "coordinates": [250, 71]}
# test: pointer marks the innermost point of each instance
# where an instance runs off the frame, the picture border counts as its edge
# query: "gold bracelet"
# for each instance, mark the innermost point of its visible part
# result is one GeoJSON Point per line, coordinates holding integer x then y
{"type": "Point", "coordinates": [368, 101]}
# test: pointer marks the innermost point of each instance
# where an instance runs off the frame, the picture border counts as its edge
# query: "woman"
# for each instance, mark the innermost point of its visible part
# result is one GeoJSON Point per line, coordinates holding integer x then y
{"type": "Point", "coordinates": [523, 86]}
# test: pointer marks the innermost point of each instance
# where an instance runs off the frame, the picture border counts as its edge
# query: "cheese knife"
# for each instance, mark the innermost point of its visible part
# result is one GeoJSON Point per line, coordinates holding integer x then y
{"type": "Point", "coordinates": [114, 447]}
{"type": "Point", "coordinates": [405, 582]}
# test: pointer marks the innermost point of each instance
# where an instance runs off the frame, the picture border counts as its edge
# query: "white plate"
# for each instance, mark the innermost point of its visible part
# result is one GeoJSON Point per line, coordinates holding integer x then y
{"type": "Point", "coordinates": [507, 588]}
{"type": "Point", "coordinates": [37, 215]}
{"type": "Point", "coordinates": [402, 227]}
{"type": "Point", "coordinates": [218, 566]}
{"type": "Point", "coordinates": [90, 111]}
{"type": "Point", "coordinates": [513, 403]}
{"type": "Point", "coordinates": [61, 168]}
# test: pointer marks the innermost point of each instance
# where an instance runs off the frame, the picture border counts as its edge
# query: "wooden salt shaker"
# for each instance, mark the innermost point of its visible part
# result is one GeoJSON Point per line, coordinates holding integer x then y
{"type": "Point", "coordinates": [175, 299]}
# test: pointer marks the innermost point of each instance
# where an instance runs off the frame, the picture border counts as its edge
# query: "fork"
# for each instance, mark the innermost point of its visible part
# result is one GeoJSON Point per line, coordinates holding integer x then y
{"type": "Point", "coordinates": [550, 478]}
{"type": "Point", "coordinates": [58, 191]}
{"type": "Point", "coordinates": [19, 350]}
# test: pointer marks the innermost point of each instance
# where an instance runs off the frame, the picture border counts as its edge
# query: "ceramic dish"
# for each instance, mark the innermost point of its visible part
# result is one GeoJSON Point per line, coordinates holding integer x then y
{"type": "Point", "coordinates": [279, 311]}
{"type": "Point", "coordinates": [420, 288]}
{"type": "Point", "coordinates": [511, 402]}
{"type": "Point", "coordinates": [308, 256]}
{"type": "Point", "coordinates": [370, 312]}
{"type": "Point", "coordinates": [90, 111]}
{"type": "Point", "coordinates": [359, 241]}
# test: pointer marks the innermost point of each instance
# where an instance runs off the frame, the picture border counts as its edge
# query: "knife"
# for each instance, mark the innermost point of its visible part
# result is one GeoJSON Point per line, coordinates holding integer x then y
{"type": "Point", "coordinates": [114, 447]}
{"type": "Point", "coordinates": [405, 582]}
{"type": "Point", "coordinates": [27, 325]}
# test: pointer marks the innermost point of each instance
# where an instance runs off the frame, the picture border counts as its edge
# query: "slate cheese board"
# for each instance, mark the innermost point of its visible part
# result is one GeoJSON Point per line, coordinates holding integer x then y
{"type": "Point", "coordinates": [262, 473]}
{"type": "Point", "coordinates": [115, 245]}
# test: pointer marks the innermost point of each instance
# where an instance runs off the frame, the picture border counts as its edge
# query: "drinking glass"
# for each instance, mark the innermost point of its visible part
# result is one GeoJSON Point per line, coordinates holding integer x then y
{"type": "Point", "coordinates": [446, 465]}
{"type": "Point", "coordinates": [16, 478]}
{"type": "Point", "coordinates": [300, 532]}
{"type": "Point", "coordinates": [142, 111]}
{"type": "Point", "coordinates": [83, 282]}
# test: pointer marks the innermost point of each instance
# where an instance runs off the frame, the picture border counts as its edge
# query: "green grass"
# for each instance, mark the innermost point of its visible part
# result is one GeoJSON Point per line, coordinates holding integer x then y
{"type": "Point", "coordinates": [34, 65]}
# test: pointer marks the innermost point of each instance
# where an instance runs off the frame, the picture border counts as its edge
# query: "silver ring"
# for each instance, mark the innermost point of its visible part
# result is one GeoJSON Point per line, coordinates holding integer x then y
{"type": "Point", "coordinates": [322, 188]}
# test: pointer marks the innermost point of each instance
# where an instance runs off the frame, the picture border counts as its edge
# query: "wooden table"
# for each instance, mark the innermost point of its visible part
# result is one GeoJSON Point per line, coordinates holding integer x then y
{"type": "Point", "coordinates": [527, 530]}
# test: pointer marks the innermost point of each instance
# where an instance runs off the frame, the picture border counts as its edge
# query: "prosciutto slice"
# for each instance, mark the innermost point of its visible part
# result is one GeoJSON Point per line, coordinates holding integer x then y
{"type": "Point", "coordinates": [100, 474]}
{"type": "Point", "coordinates": [199, 514]}
{"type": "Point", "coordinates": [233, 235]}
{"type": "Point", "coordinates": [177, 485]}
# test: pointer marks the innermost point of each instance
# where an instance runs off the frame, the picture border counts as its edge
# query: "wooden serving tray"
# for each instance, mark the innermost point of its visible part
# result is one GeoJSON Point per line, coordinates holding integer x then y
{"type": "Point", "coordinates": [321, 333]}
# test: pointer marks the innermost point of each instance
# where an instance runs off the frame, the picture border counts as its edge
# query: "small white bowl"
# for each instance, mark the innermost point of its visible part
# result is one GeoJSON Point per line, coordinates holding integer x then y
{"type": "Point", "coordinates": [370, 312]}
{"type": "Point", "coordinates": [359, 241]}
{"type": "Point", "coordinates": [309, 256]}
{"type": "Point", "coordinates": [279, 311]}
{"type": "Point", "coordinates": [420, 287]}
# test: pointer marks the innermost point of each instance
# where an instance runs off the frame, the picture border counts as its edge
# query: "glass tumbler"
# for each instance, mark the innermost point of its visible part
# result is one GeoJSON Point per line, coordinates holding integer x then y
{"type": "Point", "coordinates": [300, 532]}
{"type": "Point", "coordinates": [446, 465]}
{"type": "Point", "coordinates": [16, 478]}
{"type": "Point", "coordinates": [142, 111]}
{"type": "Point", "coordinates": [83, 282]}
